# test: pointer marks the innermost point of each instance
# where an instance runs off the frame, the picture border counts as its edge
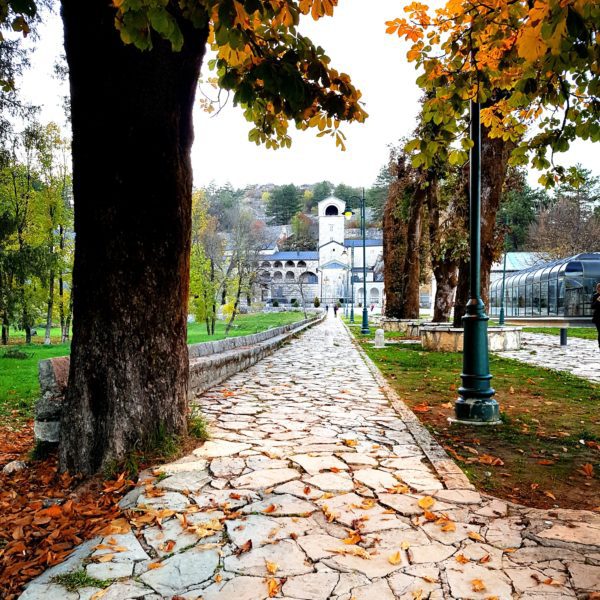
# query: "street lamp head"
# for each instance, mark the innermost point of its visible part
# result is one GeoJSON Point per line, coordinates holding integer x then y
{"type": "Point", "coordinates": [348, 214]}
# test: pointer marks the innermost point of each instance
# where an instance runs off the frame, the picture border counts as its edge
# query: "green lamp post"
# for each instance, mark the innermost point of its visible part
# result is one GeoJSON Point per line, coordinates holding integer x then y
{"type": "Point", "coordinates": [352, 285]}
{"type": "Point", "coordinates": [365, 313]}
{"type": "Point", "coordinates": [476, 404]}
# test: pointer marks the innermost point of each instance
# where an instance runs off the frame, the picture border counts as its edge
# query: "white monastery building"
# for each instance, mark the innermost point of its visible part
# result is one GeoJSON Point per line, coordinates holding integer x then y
{"type": "Point", "coordinates": [333, 273]}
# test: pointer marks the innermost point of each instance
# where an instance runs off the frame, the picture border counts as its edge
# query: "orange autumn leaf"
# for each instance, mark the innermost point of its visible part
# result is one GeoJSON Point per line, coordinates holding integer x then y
{"type": "Point", "coordinates": [588, 470]}
{"type": "Point", "coordinates": [271, 508]}
{"type": "Point", "coordinates": [448, 527]}
{"type": "Point", "coordinates": [475, 536]}
{"type": "Point", "coordinates": [353, 538]}
{"type": "Point", "coordinates": [155, 565]}
{"type": "Point", "coordinates": [426, 502]}
{"type": "Point", "coordinates": [105, 558]}
{"type": "Point", "coordinates": [462, 559]}
{"type": "Point", "coordinates": [477, 585]}
{"type": "Point", "coordinates": [396, 558]}
{"type": "Point", "coordinates": [272, 587]}
{"type": "Point", "coordinates": [351, 443]}
{"type": "Point", "coordinates": [423, 407]}
{"type": "Point", "coordinates": [218, 578]}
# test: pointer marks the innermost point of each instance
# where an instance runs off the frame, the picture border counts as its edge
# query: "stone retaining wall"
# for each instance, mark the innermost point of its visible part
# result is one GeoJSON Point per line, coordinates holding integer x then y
{"type": "Point", "coordinates": [408, 326]}
{"type": "Point", "coordinates": [213, 362]}
{"type": "Point", "coordinates": [210, 364]}
{"type": "Point", "coordinates": [441, 338]}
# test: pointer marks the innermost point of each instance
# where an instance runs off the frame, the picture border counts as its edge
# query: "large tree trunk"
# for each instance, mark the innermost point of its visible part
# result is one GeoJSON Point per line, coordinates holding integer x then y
{"type": "Point", "coordinates": [411, 267]}
{"type": "Point", "coordinates": [495, 153]}
{"type": "Point", "coordinates": [5, 328]}
{"type": "Point", "coordinates": [49, 310]}
{"type": "Point", "coordinates": [445, 269]}
{"type": "Point", "coordinates": [132, 135]}
{"type": "Point", "coordinates": [394, 249]}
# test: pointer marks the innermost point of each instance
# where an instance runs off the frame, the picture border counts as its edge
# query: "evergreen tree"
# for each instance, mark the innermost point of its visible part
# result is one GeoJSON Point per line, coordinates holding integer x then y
{"type": "Point", "coordinates": [284, 203]}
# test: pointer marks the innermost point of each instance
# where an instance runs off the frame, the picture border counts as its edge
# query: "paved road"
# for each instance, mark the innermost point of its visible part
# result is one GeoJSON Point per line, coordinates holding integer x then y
{"type": "Point", "coordinates": [313, 488]}
{"type": "Point", "coordinates": [579, 357]}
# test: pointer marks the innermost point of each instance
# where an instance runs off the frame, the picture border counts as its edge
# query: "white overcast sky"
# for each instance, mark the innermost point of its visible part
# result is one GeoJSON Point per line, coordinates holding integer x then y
{"type": "Point", "coordinates": [355, 40]}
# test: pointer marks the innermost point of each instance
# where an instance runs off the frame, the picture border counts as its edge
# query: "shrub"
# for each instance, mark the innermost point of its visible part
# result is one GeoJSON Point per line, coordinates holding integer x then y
{"type": "Point", "coordinates": [316, 302]}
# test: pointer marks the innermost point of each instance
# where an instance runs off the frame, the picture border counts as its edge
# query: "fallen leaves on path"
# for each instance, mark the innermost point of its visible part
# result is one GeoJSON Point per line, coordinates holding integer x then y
{"type": "Point", "coordinates": [44, 514]}
{"type": "Point", "coordinates": [351, 551]}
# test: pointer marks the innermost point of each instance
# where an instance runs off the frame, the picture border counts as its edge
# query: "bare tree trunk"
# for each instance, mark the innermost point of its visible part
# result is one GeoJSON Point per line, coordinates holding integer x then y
{"type": "Point", "coordinates": [66, 332]}
{"type": "Point", "coordinates": [238, 295]}
{"type": "Point", "coordinates": [444, 264]}
{"type": "Point", "coordinates": [50, 309]}
{"type": "Point", "coordinates": [132, 134]}
{"type": "Point", "coordinates": [5, 328]}
{"type": "Point", "coordinates": [411, 268]}
{"type": "Point", "coordinates": [394, 248]}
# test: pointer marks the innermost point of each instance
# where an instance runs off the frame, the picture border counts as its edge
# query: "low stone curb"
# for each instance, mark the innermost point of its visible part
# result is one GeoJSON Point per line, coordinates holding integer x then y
{"type": "Point", "coordinates": [208, 370]}
{"type": "Point", "coordinates": [210, 364]}
{"type": "Point", "coordinates": [446, 469]}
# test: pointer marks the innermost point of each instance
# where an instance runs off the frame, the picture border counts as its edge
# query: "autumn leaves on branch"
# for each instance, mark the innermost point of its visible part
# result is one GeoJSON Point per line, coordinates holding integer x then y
{"type": "Point", "coordinates": [534, 66]}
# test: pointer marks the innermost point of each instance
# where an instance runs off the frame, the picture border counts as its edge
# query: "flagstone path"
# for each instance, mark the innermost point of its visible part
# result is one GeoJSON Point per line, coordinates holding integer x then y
{"type": "Point", "coordinates": [316, 484]}
{"type": "Point", "coordinates": [579, 357]}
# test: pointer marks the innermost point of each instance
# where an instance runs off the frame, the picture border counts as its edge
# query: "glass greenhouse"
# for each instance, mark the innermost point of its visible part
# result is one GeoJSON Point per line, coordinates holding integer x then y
{"type": "Point", "coordinates": [561, 288]}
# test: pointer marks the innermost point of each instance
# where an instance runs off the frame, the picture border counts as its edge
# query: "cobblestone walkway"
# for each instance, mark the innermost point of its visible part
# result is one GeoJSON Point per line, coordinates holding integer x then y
{"type": "Point", "coordinates": [313, 488]}
{"type": "Point", "coordinates": [579, 357]}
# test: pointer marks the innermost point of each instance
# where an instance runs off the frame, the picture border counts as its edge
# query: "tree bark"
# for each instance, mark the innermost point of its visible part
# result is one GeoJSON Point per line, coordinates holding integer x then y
{"type": "Point", "coordinates": [66, 331]}
{"type": "Point", "coordinates": [495, 153]}
{"type": "Point", "coordinates": [132, 134]}
{"type": "Point", "coordinates": [5, 328]}
{"type": "Point", "coordinates": [394, 249]}
{"type": "Point", "coordinates": [411, 268]}
{"type": "Point", "coordinates": [444, 262]}
{"type": "Point", "coordinates": [50, 309]}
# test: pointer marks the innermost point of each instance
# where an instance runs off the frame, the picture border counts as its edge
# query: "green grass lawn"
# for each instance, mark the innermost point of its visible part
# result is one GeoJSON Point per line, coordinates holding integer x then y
{"type": "Point", "coordinates": [585, 333]}
{"type": "Point", "coordinates": [551, 425]}
{"type": "Point", "coordinates": [19, 385]}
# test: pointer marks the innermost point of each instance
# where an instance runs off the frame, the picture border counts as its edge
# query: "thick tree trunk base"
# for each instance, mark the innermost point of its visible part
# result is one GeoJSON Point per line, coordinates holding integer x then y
{"type": "Point", "coordinates": [132, 134]}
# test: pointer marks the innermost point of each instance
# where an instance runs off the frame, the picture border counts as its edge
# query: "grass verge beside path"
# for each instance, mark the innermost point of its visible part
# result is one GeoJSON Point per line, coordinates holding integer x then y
{"type": "Point", "coordinates": [585, 333]}
{"type": "Point", "coordinates": [547, 451]}
{"type": "Point", "coordinates": [19, 385]}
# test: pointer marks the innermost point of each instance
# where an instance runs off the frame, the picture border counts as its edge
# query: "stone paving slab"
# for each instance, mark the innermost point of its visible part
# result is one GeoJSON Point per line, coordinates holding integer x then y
{"type": "Point", "coordinates": [318, 483]}
{"type": "Point", "coordinates": [579, 357]}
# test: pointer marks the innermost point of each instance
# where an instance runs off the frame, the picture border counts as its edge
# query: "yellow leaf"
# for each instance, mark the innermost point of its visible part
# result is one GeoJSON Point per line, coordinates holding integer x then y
{"type": "Point", "coordinates": [271, 567]}
{"type": "Point", "coordinates": [396, 558]}
{"type": "Point", "coordinates": [477, 585]}
{"type": "Point", "coordinates": [462, 559]}
{"type": "Point", "coordinates": [426, 502]}
{"type": "Point", "coordinates": [405, 545]}
{"type": "Point", "coordinates": [530, 44]}
{"type": "Point", "coordinates": [448, 527]}
{"type": "Point", "coordinates": [272, 587]}
{"type": "Point", "coordinates": [350, 443]}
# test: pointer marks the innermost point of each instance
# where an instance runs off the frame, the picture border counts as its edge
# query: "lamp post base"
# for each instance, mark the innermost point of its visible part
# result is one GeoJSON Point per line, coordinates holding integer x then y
{"type": "Point", "coordinates": [352, 314]}
{"type": "Point", "coordinates": [365, 322]}
{"type": "Point", "coordinates": [476, 412]}
{"type": "Point", "coordinates": [501, 318]}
